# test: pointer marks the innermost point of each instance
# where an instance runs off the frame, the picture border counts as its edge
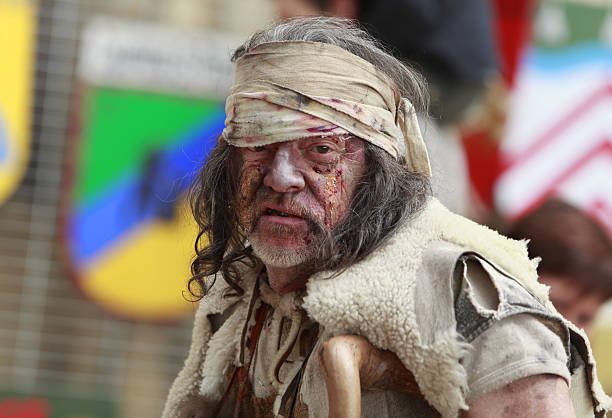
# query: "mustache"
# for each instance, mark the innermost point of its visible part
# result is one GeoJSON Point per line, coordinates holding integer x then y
{"type": "Point", "coordinates": [290, 204]}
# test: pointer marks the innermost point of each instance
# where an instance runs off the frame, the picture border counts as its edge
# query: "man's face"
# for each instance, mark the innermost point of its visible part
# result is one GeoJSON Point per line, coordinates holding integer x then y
{"type": "Point", "coordinates": [291, 194]}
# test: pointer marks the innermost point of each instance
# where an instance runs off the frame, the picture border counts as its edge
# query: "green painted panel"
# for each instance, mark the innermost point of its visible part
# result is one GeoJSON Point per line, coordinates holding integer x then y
{"type": "Point", "coordinates": [121, 127]}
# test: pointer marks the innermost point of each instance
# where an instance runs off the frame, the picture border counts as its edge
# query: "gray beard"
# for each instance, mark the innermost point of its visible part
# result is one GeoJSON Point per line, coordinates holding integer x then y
{"type": "Point", "coordinates": [281, 256]}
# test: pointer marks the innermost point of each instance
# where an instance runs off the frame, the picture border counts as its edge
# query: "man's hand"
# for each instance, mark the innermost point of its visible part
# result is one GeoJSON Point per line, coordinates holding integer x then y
{"type": "Point", "coordinates": [350, 363]}
{"type": "Point", "coordinates": [543, 395]}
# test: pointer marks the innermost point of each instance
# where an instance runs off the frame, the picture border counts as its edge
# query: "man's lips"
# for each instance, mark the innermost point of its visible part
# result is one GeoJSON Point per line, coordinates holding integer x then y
{"type": "Point", "coordinates": [281, 215]}
{"type": "Point", "coordinates": [267, 210]}
{"type": "Point", "coordinates": [274, 212]}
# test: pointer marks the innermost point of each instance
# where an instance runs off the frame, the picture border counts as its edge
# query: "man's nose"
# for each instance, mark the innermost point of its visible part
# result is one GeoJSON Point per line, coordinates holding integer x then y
{"type": "Point", "coordinates": [283, 176]}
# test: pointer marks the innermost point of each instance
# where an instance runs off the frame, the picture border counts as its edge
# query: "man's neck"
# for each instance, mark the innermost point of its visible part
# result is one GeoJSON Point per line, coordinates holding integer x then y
{"type": "Point", "coordinates": [287, 279]}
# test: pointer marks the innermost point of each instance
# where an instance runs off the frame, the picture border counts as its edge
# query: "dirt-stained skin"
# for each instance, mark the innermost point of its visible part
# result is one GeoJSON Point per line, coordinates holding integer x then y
{"type": "Point", "coordinates": [292, 193]}
{"type": "Point", "coordinates": [542, 395]}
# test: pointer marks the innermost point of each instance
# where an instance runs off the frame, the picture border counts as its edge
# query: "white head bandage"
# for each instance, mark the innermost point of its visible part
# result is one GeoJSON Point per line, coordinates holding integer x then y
{"type": "Point", "coordinates": [291, 90]}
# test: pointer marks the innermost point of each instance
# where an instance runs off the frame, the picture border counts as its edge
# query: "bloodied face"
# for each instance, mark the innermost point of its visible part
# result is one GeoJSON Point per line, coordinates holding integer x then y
{"type": "Point", "coordinates": [291, 194]}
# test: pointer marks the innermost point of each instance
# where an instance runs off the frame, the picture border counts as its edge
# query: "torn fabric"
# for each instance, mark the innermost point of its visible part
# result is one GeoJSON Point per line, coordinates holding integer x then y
{"type": "Point", "coordinates": [291, 90]}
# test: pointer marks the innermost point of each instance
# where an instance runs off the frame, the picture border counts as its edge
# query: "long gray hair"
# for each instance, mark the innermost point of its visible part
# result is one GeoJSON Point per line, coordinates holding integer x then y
{"type": "Point", "coordinates": [386, 196]}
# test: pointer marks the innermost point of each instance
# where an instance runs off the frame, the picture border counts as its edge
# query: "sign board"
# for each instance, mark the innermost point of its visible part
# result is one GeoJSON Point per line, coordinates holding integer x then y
{"type": "Point", "coordinates": [145, 127]}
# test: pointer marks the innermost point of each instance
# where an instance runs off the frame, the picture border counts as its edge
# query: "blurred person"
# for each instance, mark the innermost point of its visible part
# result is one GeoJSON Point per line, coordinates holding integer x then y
{"type": "Point", "coordinates": [576, 255]}
{"type": "Point", "coordinates": [331, 282]}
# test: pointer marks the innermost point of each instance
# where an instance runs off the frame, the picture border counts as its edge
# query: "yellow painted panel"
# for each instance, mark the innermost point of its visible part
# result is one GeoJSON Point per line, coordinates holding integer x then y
{"type": "Point", "coordinates": [601, 340]}
{"type": "Point", "coordinates": [144, 276]}
{"type": "Point", "coordinates": [17, 23]}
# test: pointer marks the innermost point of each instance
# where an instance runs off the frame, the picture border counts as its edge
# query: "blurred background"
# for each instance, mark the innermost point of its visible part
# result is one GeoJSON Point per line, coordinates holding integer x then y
{"type": "Point", "coordinates": [107, 109]}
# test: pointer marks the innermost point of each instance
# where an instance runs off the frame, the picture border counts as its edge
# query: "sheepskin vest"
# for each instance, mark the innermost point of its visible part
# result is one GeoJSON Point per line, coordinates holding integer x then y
{"type": "Point", "coordinates": [399, 298]}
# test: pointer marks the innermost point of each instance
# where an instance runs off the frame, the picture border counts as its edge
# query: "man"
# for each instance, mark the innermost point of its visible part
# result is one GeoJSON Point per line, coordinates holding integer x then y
{"type": "Point", "coordinates": [576, 258]}
{"type": "Point", "coordinates": [329, 268]}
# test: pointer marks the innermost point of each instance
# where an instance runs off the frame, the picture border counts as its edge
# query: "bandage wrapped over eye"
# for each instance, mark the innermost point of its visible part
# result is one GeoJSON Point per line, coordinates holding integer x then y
{"type": "Point", "coordinates": [291, 90]}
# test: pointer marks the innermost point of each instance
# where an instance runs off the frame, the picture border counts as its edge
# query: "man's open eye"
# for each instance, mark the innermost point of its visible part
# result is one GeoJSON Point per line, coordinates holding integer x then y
{"type": "Point", "coordinates": [321, 149]}
{"type": "Point", "coordinates": [259, 148]}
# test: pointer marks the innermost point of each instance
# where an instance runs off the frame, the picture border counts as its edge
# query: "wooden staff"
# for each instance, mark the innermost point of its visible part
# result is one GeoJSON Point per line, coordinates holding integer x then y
{"type": "Point", "coordinates": [351, 364]}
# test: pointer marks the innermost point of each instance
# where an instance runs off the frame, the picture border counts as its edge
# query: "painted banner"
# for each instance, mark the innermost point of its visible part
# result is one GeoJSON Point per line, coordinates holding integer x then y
{"type": "Point", "coordinates": [559, 132]}
{"type": "Point", "coordinates": [144, 130]}
{"type": "Point", "coordinates": [17, 37]}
